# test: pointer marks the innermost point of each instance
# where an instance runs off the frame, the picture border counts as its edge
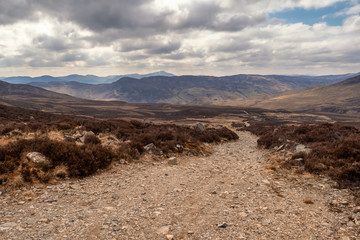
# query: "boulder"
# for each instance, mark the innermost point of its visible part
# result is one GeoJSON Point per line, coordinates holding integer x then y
{"type": "Point", "coordinates": [86, 135]}
{"type": "Point", "coordinates": [302, 148]}
{"type": "Point", "coordinates": [149, 147]}
{"type": "Point", "coordinates": [38, 159]}
{"type": "Point", "coordinates": [200, 127]}
{"type": "Point", "coordinates": [172, 161]}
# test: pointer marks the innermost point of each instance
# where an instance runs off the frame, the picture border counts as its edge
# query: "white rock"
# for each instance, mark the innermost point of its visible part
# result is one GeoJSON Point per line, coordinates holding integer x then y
{"type": "Point", "coordinates": [302, 148]}
{"type": "Point", "coordinates": [38, 159]}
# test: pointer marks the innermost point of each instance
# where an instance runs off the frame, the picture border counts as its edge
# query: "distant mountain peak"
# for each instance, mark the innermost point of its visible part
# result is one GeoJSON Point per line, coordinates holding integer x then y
{"type": "Point", "coordinates": [90, 79]}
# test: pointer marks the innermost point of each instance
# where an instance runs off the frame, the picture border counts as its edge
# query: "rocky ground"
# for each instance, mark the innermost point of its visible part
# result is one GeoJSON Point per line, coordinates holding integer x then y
{"type": "Point", "coordinates": [230, 194]}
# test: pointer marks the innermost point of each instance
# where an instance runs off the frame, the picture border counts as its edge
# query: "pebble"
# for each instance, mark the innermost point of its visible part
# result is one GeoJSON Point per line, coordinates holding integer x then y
{"type": "Point", "coordinates": [172, 161]}
{"type": "Point", "coordinates": [357, 209]}
{"type": "Point", "coordinates": [170, 237]}
{"type": "Point", "coordinates": [44, 220]}
{"type": "Point", "coordinates": [243, 214]}
{"type": "Point", "coordinates": [266, 182]}
{"type": "Point", "coordinates": [163, 230]}
{"type": "Point", "coordinates": [115, 196]}
{"type": "Point", "coordinates": [223, 225]}
{"type": "Point", "coordinates": [116, 228]}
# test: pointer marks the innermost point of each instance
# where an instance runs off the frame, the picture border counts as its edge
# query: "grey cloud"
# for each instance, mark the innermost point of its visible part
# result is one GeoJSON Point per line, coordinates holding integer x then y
{"type": "Point", "coordinates": [121, 19]}
{"type": "Point", "coordinates": [114, 20]}
{"type": "Point", "coordinates": [151, 46]}
{"type": "Point", "coordinates": [11, 61]}
{"type": "Point", "coordinates": [208, 16]}
{"type": "Point", "coordinates": [165, 48]}
{"type": "Point", "coordinates": [74, 56]}
{"type": "Point", "coordinates": [98, 61]}
{"type": "Point", "coordinates": [135, 45]}
{"type": "Point", "coordinates": [136, 57]}
{"type": "Point", "coordinates": [38, 58]}
{"type": "Point", "coordinates": [186, 54]}
{"type": "Point", "coordinates": [232, 45]}
{"type": "Point", "coordinates": [177, 56]}
{"type": "Point", "coordinates": [237, 23]}
{"type": "Point", "coordinates": [57, 44]}
{"type": "Point", "coordinates": [38, 62]}
{"type": "Point", "coordinates": [12, 11]}
{"type": "Point", "coordinates": [200, 15]}
{"type": "Point", "coordinates": [102, 15]}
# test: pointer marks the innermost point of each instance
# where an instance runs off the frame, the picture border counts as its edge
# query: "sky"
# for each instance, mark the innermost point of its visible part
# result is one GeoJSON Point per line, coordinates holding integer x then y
{"type": "Point", "coordinates": [199, 37]}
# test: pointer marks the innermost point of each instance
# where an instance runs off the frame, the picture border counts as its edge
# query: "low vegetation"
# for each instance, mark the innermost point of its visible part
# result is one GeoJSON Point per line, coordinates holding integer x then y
{"type": "Point", "coordinates": [333, 149]}
{"type": "Point", "coordinates": [72, 157]}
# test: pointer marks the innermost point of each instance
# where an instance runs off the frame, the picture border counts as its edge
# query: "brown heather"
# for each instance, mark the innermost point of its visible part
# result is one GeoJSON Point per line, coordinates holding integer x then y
{"type": "Point", "coordinates": [335, 148]}
{"type": "Point", "coordinates": [76, 160]}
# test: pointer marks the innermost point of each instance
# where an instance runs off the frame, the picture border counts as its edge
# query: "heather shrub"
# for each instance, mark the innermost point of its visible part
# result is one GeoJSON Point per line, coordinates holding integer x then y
{"type": "Point", "coordinates": [7, 128]}
{"type": "Point", "coordinates": [91, 139]}
{"type": "Point", "coordinates": [70, 159]}
{"type": "Point", "coordinates": [227, 134]}
{"type": "Point", "coordinates": [129, 152]}
{"type": "Point", "coordinates": [335, 148]}
{"type": "Point", "coordinates": [80, 160]}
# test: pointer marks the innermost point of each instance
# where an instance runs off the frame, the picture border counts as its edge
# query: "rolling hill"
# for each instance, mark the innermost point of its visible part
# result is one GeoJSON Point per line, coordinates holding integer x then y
{"type": "Point", "coordinates": [188, 89]}
{"type": "Point", "coordinates": [26, 96]}
{"type": "Point", "coordinates": [15, 96]}
{"type": "Point", "coordinates": [342, 97]}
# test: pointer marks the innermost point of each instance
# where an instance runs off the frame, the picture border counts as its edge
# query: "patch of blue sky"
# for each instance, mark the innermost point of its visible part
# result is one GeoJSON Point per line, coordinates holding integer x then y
{"type": "Point", "coordinates": [313, 16]}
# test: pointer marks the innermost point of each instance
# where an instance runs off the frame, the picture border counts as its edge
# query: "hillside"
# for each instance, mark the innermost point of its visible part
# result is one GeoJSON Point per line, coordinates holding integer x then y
{"type": "Point", "coordinates": [341, 97]}
{"type": "Point", "coordinates": [188, 89]}
{"type": "Point", "coordinates": [30, 97]}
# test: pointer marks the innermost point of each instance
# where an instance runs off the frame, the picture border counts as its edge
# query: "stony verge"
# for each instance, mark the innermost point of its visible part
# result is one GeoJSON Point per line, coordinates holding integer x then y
{"type": "Point", "coordinates": [227, 195]}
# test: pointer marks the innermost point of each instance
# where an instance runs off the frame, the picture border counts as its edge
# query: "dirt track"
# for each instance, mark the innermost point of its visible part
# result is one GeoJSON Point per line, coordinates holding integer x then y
{"type": "Point", "coordinates": [228, 195]}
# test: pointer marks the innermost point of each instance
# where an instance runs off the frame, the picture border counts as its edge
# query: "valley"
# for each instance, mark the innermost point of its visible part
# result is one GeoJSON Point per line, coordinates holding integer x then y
{"type": "Point", "coordinates": [194, 90]}
{"type": "Point", "coordinates": [181, 171]}
{"type": "Point", "coordinates": [179, 120]}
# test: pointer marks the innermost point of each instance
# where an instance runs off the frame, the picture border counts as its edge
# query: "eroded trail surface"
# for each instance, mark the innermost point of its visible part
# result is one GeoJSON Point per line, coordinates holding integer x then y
{"type": "Point", "coordinates": [228, 195]}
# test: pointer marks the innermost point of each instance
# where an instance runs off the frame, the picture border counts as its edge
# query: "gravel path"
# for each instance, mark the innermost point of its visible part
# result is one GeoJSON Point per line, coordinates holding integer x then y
{"type": "Point", "coordinates": [228, 195]}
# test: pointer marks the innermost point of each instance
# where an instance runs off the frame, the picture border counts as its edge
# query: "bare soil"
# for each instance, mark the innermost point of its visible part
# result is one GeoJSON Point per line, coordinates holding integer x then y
{"type": "Point", "coordinates": [230, 194]}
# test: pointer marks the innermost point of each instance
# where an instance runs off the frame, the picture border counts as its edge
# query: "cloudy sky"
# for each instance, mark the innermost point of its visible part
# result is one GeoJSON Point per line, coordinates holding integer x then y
{"type": "Point", "coordinates": [212, 37]}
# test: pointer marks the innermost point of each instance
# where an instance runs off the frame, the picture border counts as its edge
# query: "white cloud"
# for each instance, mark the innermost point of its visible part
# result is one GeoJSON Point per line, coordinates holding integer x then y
{"type": "Point", "coordinates": [349, 11]}
{"type": "Point", "coordinates": [185, 37]}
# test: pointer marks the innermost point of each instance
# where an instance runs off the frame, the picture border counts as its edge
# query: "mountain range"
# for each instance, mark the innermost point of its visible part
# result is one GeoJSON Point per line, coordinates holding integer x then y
{"type": "Point", "coordinates": [238, 91]}
{"type": "Point", "coordinates": [90, 79]}
{"type": "Point", "coordinates": [189, 89]}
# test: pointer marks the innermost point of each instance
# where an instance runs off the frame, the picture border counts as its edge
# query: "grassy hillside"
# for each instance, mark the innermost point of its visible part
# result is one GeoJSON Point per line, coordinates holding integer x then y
{"type": "Point", "coordinates": [341, 97]}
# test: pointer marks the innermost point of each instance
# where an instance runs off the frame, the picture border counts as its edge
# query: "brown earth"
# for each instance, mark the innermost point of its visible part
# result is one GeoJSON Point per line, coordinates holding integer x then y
{"type": "Point", "coordinates": [230, 194]}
